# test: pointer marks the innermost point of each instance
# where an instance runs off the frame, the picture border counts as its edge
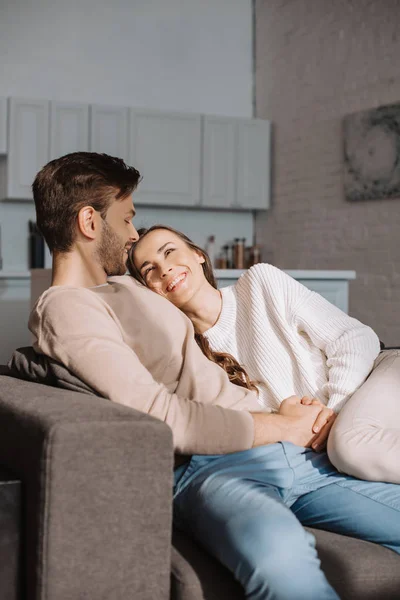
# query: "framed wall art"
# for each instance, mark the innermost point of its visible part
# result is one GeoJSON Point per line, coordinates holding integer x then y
{"type": "Point", "coordinates": [372, 154]}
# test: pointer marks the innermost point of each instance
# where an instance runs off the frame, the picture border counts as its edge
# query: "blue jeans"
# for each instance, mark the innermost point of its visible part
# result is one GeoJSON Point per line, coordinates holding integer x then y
{"type": "Point", "coordinates": [248, 510]}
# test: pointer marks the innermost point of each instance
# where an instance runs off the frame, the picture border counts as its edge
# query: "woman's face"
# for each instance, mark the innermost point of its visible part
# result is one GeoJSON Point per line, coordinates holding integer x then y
{"type": "Point", "coordinates": [169, 267]}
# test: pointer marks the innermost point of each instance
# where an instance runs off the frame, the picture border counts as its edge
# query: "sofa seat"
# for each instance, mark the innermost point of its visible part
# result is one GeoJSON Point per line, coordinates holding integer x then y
{"type": "Point", "coordinates": [96, 500]}
{"type": "Point", "coordinates": [357, 570]}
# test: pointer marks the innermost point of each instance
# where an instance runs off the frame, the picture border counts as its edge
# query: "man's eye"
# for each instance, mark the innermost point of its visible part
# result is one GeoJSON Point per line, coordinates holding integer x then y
{"type": "Point", "coordinates": [127, 221]}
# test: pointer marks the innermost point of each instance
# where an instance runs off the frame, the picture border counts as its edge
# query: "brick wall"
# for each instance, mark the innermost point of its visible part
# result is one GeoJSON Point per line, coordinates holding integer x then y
{"type": "Point", "coordinates": [316, 61]}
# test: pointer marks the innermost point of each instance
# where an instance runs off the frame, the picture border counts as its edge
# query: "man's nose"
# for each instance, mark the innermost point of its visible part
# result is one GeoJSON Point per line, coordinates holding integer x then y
{"type": "Point", "coordinates": [134, 234]}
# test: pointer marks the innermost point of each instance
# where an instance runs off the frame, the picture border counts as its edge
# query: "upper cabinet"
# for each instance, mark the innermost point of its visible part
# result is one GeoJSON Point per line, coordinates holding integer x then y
{"type": "Point", "coordinates": [219, 162]}
{"type": "Point", "coordinates": [165, 148]}
{"type": "Point", "coordinates": [236, 163]}
{"type": "Point", "coordinates": [186, 160]}
{"type": "Point", "coordinates": [28, 148]}
{"type": "Point", "coordinates": [253, 174]}
{"type": "Point", "coordinates": [69, 128]}
{"type": "Point", "coordinates": [3, 125]}
{"type": "Point", "coordinates": [109, 130]}
{"type": "Point", "coordinates": [39, 131]}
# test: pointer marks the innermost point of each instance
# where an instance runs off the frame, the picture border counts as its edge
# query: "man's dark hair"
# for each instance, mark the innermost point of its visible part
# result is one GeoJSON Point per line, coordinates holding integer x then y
{"type": "Point", "coordinates": [67, 184]}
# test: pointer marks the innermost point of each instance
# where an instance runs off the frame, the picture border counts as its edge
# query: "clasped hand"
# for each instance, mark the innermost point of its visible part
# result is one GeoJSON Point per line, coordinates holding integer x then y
{"type": "Point", "coordinates": [323, 422]}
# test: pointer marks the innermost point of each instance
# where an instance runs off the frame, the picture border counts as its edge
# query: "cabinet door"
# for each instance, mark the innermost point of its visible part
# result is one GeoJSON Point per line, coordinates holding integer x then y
{"type": "Point", "coordinates": [165, 148]}
{"type": "Point", "coordinates": [253, 172]}
{"type": "Point", "coordinates": [28, 148]}
{"type": "Point", "coordinates": [69, 128]}
{"type": "Point", "coordinates": [219, 162]}
{"type": "Point", "coordinates": [3, 125]}
{"type": "Point", "coordinates": [336, 292]}
{"type": "Point", "coordinates": [109, 130]}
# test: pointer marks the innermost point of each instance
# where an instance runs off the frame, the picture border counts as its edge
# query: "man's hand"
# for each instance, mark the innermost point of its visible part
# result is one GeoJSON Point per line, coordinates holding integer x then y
{"type": "Point", "coordinates": [293, 423]}
{"type": "Point", "coordinates": [323, 423]}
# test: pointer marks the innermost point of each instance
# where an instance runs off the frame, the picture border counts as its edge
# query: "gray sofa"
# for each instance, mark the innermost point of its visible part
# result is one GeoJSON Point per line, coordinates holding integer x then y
{"type": "Point", "coordinates": [86, 510]}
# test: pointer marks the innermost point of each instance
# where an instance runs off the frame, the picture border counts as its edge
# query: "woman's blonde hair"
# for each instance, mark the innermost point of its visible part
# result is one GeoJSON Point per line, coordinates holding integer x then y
{"type": "Point", "coordinates": [236, 373]}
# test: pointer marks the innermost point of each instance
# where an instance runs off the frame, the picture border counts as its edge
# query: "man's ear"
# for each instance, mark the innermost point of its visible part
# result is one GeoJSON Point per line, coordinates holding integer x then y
{"type": "Point", "coordinates": [88, 222]}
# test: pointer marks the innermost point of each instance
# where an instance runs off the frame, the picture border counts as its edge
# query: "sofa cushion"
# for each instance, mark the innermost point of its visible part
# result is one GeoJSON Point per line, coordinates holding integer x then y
{"type": "Point", "coordinates": [357, 570]}
{"type": "Point", "coordinates": [10, 539]}
{"type": "Point", "coordinates": [196, 575]}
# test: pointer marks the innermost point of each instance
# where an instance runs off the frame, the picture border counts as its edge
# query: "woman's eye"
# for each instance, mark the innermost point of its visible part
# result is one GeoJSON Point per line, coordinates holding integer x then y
{"type": "Point", "coordinates": [168, 251]}
{"type": "Point", "coordinates": [147, 271]}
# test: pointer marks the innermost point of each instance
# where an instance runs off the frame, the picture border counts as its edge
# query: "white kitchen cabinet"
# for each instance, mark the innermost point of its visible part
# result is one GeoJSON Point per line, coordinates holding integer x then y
{"type": "Point", "coordinates": [28, 148]}
{"type": "Point", "coordinates": [109, 130]}
{"type": "Point", "coordinates": [253, 164]}
{"type": "Point", "coordinates": [69, 128]}
{"type": "Point", "coordinates": [332, 285]}
{"type": "Point", "coordinates": [14, 314]}
{"type": "Point", "coordinates": [3, 125]}
{"type": "Point", "coordinates": [165, 148]}
{"type": "Point", "coordinates": [236, 163]}
{"type": "Point", "coordinates": [219, 162]}
{"type": "Point", "coordinates": [186, 160]}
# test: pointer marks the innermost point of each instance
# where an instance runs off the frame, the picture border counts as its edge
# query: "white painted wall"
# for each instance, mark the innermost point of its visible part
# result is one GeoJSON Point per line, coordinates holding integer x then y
{"type": "Point", "coordinates": [190, 55]}
{"type": "Point", "coordinates": [186, 55]}
{"type": "Point", "coordinates": [182, 55]}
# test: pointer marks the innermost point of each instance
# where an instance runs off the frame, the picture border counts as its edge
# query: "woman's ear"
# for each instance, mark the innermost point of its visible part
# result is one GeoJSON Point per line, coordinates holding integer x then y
{"type": "Point", "coordinates": [87, 222]}
{"type": "Point", "coordinates": [200, 257]}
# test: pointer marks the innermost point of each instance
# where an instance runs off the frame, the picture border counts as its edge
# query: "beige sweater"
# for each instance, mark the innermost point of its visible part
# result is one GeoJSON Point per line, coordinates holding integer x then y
{"type": "Point", "coordinates": [136, 348]}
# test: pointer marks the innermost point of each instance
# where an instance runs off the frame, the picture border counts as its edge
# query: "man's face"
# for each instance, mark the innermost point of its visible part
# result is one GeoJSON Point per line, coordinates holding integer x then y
{"type": "Point", "coordinates": [118, 234]}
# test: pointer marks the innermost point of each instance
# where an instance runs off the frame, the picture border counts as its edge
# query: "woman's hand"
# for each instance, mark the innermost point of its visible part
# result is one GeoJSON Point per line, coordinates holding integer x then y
{"type": "Point", "coordinates": [297, 421]}
{"type": "Point", "coordinates": [323, 423]}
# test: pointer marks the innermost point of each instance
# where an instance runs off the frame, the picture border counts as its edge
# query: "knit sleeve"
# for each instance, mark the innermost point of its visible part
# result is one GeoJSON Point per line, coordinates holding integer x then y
{"type": "Point", "coordinates": [350, 347]}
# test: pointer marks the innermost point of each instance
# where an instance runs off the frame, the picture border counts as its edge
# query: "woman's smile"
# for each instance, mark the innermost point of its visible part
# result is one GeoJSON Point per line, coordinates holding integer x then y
{"type": "Point", "coordinates": [175, 284]}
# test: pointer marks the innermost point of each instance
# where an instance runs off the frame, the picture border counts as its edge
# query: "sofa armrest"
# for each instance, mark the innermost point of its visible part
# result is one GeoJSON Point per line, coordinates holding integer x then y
{"type": "Point", "coordinates": [97, 493]}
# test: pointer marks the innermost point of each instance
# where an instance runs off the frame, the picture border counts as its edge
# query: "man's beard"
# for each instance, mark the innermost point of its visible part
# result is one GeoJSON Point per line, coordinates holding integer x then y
{"type": "Point", "coordinates": [110, 252]}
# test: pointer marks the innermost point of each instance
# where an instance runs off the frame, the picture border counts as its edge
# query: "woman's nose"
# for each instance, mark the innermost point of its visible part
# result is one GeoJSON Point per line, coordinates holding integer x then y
{"type": "Point", "coordinates": [165, 270]}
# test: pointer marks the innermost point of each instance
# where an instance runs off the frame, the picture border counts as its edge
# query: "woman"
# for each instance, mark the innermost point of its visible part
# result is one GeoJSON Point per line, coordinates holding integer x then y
{"type": "Point", "coordinates": [290, 341]}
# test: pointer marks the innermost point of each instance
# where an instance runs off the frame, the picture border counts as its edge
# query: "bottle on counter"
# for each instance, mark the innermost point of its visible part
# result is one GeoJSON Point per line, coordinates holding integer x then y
{"type": "Point", "coordinates": [254, 255]}
{"type": "Point", "coordinates": [231, 256]}
{"type": "Point", "coordinates": [36, 247]}
{"type": "Point", "coordinates": [210, 248]}
{"type": "Point", "coordinates": [220, 262]}
{"type": "Point", "coordinates": [238, 253]}
{"type": "Point", "coordinates": [227, 255]}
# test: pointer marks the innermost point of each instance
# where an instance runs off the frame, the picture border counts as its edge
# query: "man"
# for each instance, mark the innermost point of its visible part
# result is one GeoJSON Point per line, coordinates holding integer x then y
{"type": "Point", "coordinates": [250, 482]}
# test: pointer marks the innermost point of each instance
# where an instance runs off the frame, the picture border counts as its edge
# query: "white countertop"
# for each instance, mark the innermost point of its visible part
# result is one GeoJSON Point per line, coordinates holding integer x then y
{"type": "Point", "coordinates": [15, 274]}
{"type": "Point", "coordinates": [296, 273]}
{"type": "Point", "coordinates": [224, 274]}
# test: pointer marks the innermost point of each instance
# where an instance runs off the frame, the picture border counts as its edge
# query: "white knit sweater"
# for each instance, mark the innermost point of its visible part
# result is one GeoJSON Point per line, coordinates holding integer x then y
{"type": "Point", "coordinates": [291, 340]}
